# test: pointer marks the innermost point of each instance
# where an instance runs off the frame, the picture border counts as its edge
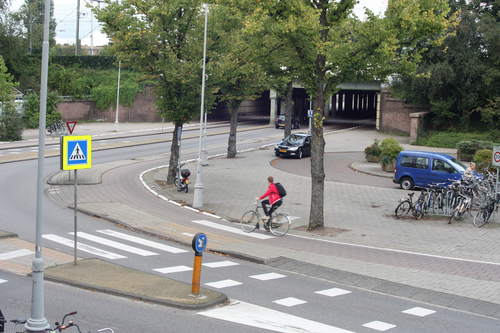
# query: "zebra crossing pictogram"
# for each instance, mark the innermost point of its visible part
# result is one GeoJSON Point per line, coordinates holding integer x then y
{"type": "Point", "coordinates": [77, 154]}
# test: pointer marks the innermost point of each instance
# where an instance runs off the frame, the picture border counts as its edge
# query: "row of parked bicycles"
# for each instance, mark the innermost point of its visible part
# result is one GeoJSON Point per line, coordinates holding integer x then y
{"type": "Point", "coordinates": [476, 197]}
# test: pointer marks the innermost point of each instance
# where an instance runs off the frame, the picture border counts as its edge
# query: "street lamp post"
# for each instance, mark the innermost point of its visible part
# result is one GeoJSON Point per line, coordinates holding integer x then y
{"type": "Point", "coordinates": [37, 321]}
{"type": "Point", "coordinates": [118, 92]}
{"type": "Point", "coordinates": [198, 187]}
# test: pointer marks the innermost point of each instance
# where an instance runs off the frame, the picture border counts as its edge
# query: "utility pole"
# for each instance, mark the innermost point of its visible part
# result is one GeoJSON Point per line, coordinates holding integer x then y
{"type": "Point", "coordinates": [37, 321]}
{"type": "Point", "coordinates": [118, 92]}
{"type": "Point", "coordinates": [198, 187]}
{"type": "Point", "coordinates": [77, 26]}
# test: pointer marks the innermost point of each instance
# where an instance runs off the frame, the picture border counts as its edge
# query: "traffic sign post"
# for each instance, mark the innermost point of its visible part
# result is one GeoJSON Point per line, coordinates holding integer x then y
{"type": "Point", "coordinates": [76, 153]}
{"type": "Point", "coordinates": [496, 162]}
{"type": "Point", "coordinates": [199, 244]}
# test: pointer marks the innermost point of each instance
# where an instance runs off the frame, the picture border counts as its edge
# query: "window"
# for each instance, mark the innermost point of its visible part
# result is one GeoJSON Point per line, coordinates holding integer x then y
{"type": "Point", "coordinates": [438, 165]}
{"type": "Point", "coordinates": [415, 162]}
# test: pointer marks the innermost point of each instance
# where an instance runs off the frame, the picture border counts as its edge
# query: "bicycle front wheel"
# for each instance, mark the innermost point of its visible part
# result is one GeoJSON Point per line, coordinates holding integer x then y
{"type": "Point", "coordinates": [403, 209]}
{"type": "Point", "coordinates": [481, 217]}
{"type": "Point", "coordinates": [249, 221]}
{"type": "Point", "coordinates": [280, 224]}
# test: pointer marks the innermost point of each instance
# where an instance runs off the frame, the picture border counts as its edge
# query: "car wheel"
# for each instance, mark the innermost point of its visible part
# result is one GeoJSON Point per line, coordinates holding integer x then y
{"type": "Point", "coordinates": [406, 183]}
{"type": "Point", "coordinates": [277, 154]}
{"type": "Point", "coordinates": [299, 154]}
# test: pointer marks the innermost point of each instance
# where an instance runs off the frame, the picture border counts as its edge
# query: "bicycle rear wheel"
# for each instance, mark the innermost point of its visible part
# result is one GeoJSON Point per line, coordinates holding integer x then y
{"type": "Point", "coordinates": [249, 221]}
{"type": "Point", "coordinates": [481, 217]}
{"type": "Point", "coordinates": [403, 209]}
{"type": "Point", "coordinates": [280, 224]}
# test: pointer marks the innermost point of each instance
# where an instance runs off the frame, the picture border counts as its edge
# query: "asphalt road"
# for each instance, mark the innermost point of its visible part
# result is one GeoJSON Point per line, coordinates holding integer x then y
{"type": "Point", "coordinates": [267, 296]}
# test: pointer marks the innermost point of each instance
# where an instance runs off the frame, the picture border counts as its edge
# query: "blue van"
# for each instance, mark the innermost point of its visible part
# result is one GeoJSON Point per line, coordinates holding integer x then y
{"type": "Point", "coordinates": [420, 169]}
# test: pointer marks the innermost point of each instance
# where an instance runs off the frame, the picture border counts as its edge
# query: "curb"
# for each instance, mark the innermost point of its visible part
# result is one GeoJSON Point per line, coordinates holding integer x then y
{"type": "Point", "coordinates": [368, 172]}
{"type": "Point", "coordinates": [7, 234]}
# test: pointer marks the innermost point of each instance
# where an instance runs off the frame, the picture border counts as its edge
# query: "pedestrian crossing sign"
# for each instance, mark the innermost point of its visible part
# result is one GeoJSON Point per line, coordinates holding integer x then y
{"type": "Point", "coordinates": [76, 152]}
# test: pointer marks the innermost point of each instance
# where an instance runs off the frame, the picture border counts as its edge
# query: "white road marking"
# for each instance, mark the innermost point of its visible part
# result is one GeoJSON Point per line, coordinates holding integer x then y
{"type": "Point", "coordinates": [13, 152]}
{"type": "Point", "coordinates": [223, 284]}
{"type": "Point", "coordinates": [268, 319]}
{"type": "Point", "coordinates": [218, 264]}
{"type": "Point", "coordinates": [231, 229]}
{"type": "Point", "coordinates": [173, 269]}
{"type": "Point", "coordinates": [191, 208]}
{"type": "Point", "coordinates": [379, 326]}
{"type": "Point", "coordinates": [187, 234]}
{"type": "Point", "coordinates": [142, 241]}
{"type": "Point", "coordinates": [395, 250]}
{"type": "Point", "coordinates": [267, 276]}
{"type": "Point", "coordinates": [418, 311]}
{"type": "Point", "coordinates": [289, 301]}
{"type": "Point", "coordinates": [2, 281]}
{"type": "Point", "coordinates": [83, 247]}
{"type": "Point", "coordinates": [333, 292]}
{"type": "Point", "coordinates": [15, 254]}
{"type": "Point", "coordinates": [118, 245]}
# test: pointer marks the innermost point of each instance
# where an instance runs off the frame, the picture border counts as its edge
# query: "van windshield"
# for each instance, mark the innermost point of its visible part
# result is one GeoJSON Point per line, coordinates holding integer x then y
{"type": "Point", "coordinates": [454, 160]}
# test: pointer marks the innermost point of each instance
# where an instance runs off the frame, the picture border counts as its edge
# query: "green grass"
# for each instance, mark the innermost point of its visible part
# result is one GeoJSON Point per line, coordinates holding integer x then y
{"type": "Point", "coordinates": [449, 139]}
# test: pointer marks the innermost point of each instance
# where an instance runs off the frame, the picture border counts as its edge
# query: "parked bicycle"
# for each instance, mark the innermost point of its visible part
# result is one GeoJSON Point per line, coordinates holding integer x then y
{"type": "Point", "coordinates": [464, 205]}
{"type": "Point", "coordinates": [486, 211]}
{"type": "Point", "coordinates": [408, 207]}
{"type": "Point", "coordinates": [278, 223]}
{"type": "Point", "coordinates": [182, 178]}
{"type": "Point", "coordinates": [18, 325]}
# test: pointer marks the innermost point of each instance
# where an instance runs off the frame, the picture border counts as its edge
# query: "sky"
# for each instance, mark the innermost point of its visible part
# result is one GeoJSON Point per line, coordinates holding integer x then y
{"type": "Point", "coordinates": [90, 34]}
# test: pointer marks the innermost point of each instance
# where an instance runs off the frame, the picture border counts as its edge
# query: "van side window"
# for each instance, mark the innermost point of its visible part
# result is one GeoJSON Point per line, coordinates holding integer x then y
{"type": "Point", "coordinates": [415, 162]}
{"type": "Point", "coordinates": [438, 165]}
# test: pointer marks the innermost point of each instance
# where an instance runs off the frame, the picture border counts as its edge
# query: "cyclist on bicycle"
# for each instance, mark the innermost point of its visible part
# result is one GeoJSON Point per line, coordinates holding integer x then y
{"type": "Point", "coordinates": [274, 198]}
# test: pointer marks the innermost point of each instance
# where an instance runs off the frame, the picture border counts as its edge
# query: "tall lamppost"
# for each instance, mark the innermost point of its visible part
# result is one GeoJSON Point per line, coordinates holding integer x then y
{"type": "Point", "coordinates": [198, 187]}
{"type": "Point", "coordinates": [118, 92]}
{"type": "Point", "coordinates": [37, 321]}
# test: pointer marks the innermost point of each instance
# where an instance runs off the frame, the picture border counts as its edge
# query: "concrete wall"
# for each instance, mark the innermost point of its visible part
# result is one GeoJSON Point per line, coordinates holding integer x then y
{"type": "Point", "coordinates": [395, 114]}
{"type": "Point", "coordinates": [142, 110]}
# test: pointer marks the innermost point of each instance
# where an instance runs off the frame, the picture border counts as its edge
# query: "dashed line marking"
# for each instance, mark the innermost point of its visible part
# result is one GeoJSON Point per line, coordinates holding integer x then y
{"type": "Point", "coordinates": [223, 284]}
{"type": "Point", "coordinates": [379, 326]}
{"type": "Point", "coordinates": [419, 312]}
{"type": "Point", "coordinates": [333, 292]}
{"type": "Point", "coordinates": [289, 301]}
{"type": "Point", "coordinates": [173, 269]}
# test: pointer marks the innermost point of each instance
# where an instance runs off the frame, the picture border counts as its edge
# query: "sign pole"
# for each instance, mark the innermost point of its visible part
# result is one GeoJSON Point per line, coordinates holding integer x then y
{"type": "Point", "coordinates": [75, 219]}
{"type": "Point", "coordinates": [199, 244]}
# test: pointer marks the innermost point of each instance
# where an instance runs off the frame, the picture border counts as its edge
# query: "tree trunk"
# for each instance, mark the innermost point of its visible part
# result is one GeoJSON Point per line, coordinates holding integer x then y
{"type": "Point", "coordinates": [316, 215]}
{"type": "Point", "coordinates": [288, 108]}
{"type": "Point", "coordinates": [174, 154]}
{"type": "Point", "coordinates": [231, 143]}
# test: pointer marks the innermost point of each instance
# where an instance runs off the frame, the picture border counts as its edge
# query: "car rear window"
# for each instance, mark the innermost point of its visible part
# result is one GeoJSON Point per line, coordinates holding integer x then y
{"type": "Point", "coordinates": [294, 139]}
{"type": "Point", "coordinates": [415, 162]}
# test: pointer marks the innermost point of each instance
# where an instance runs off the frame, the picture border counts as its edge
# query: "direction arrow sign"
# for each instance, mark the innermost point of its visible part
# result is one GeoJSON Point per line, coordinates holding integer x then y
{"type": "Point", "coordinates": [71, 126]}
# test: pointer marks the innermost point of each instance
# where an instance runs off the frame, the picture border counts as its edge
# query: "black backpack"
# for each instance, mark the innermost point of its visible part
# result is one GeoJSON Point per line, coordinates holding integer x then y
{"type": "Point", "coordinates": [281, 190]}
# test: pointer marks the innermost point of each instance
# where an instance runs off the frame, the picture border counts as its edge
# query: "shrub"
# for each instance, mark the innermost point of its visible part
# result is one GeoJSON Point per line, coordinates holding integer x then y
{"type": "Point", "coordinates": [372, 152]}
{"type": "Point", "coordinates": [389, 150]}
{"type": "Point", "coordinates": [467, 149]}
{"type": "Point", "coordinates": [483, 158]}
{"type": "Point", "coordinates": [32, 110]}
{"type": "Point", "coordinates": [11, 125]}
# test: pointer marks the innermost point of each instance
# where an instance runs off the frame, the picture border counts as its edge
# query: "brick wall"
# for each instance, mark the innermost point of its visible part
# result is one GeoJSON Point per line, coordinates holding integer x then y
{"type": "Point", "coordinates": [395, 114]}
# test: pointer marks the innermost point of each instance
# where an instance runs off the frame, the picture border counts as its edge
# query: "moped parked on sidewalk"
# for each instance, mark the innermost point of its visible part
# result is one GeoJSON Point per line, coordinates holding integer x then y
{"type": "Point", "coordinates": [182, 179]}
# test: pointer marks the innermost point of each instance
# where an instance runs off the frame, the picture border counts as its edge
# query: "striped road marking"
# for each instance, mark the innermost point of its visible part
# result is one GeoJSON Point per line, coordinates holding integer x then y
{"type": "Point", "coordinates": [268, 319]}
{"type": "Point", "coordinates": [118, 245]}
{"type": "Point", "coordinates": [268, 276]}
{"type": "Point", "coordinates": [419, 312]}
{"type": "Point", "coordinates": [218, 264]}
{"type": "Point", "coordinates": [223, 284]}
{"type": "Point", "coordinates": [83, 247]}
{"type": "Point", "coordinates": [333, 292]}
{"type": "Point", "coordinates": [231, 229]}
{"type": "Point", "coordinates": [173, 269]}
{"type": "Point", "coordinates": [2, 281]}
{"type": "Point", "coordinates": [379, 326]}
{"type": "Point", "coordinates": [289, 301]}
{"type": "Point", "coordinates": [145, 242]}
{"type": "Point", "coordinates": [15, 254]}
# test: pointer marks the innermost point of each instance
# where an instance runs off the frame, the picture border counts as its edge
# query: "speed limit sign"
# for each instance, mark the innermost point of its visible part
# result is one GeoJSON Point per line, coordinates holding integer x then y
{"type": "Point", "coordinates": [496, 156]}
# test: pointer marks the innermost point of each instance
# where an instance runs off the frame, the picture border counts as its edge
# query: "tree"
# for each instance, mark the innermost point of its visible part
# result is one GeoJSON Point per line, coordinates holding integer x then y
{"type": "Point", "coordinates": [235, 74]}
{"type": "Point", "coordinates": [331, 47]}
{"type": "Point", "coordinates": [163, 39]}
{"type": "Point", "coordinates": [32, 110]}
{"type": "Point", "coordinates": [10, 120]}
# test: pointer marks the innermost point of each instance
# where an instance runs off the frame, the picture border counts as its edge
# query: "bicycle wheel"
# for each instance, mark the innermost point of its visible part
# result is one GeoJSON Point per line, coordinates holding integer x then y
{"type": "Point", "coordinates": [178, 184]}
{"type": "Point", "coordinates": [249, 221]}
{"type": "Point", "coordinates": [280, 224]}
{"type": "Point", "coordinates": [455, 215]}
{"type": "Point", "coordinates": [481, 217]}
{"type": "Point", "coordinates": [403, 209]}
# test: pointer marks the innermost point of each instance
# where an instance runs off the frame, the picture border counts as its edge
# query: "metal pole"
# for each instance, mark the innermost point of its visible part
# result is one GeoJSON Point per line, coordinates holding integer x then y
{"type": "Point", "coordinates": [198, 187]}
{"type": "Point", "coordinates": [204, 150]}
{"type": "Point", "coordinates": [118, 91]}
{"type": "Point", "coordinates": [75, 237]}
{"type": "Point", "coordinates": [77, 26]}
{"type": "Point", "coordinates": [310, 108]}
{"type": "Point", "coordinates": [37, 321]}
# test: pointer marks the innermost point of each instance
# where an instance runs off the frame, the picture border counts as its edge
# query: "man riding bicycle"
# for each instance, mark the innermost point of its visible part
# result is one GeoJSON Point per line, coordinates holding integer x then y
{"type": "Point", "coordinates": [274, 199]}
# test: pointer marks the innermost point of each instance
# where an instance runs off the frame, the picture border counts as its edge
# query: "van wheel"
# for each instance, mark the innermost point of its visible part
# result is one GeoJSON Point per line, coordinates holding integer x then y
{"type": "Point", "coordinates": [406, 183]}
